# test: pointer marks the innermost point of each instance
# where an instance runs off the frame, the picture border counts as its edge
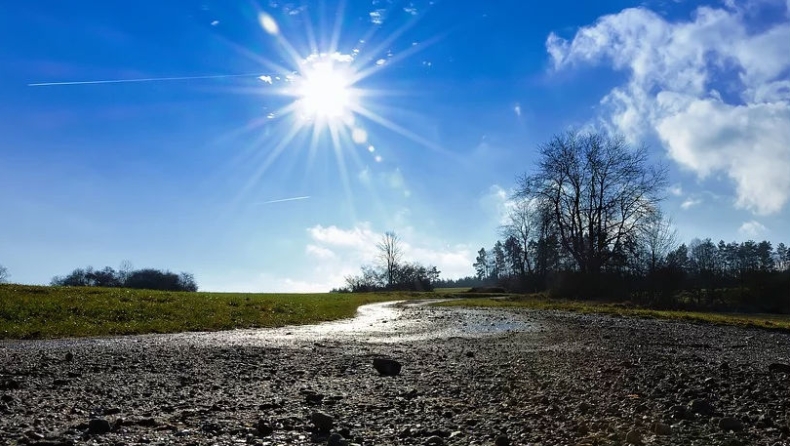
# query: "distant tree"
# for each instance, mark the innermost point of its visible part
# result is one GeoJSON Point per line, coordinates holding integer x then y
{"type": "Point", "coordinates": [498, 269]}
{"type": "Point", "coordinates": [598, 193]}
{"type": "Point", "coordinates": [390, 253]}
{"type": "Point", "coordinates": [3, 274]}
{"type": "Point", "coordinates": [481, 264]}
{"type": "Point", "coordinates": [391, 273]}
{"type": "Point", "coordinates": [125, 270]}
{"type": "Point", "coordinates": [152, 279]}
{"type": "Point", "coordinates": [659, 238]}
{"type": "Point", "coordinates": [78, 277]}
{"type": "Point", "coordinates": [105, 278]}
{"type": "Point", "coordinates": [186, 282]}
{"type": "Point", "coordinates": [782, 257]}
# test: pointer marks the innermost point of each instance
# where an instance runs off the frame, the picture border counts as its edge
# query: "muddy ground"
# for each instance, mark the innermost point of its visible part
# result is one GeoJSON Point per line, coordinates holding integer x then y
{"type": "Point", "coordinates": [468, 377]}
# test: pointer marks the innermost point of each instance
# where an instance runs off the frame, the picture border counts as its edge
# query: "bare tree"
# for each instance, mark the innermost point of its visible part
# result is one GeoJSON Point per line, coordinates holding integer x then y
{"type": "Point", "coordinates": [598, 192]}
{"type": "Point", "coordinates": [390, 253]}
{"type": "Point", "coordinates": [3, 274]}
{"type": "Point", "coordinates": [125, 270]}
{"type": "Point", "coordinates": [521, 228]}
{"type": "Point", "coordinates": [659, 238]}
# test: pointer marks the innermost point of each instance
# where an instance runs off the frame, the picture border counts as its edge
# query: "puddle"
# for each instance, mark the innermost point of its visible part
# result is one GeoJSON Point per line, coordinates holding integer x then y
{"type": "Point", "coordinates": [387, 322]}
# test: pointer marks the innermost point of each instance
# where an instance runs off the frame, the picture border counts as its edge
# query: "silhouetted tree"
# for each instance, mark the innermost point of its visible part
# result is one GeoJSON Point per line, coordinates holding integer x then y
{"type": "Point", "coordinates": [390, 254]}
{"type": "Point", "coordinates": [3, 274]}
{"type": "Point", "coordinates": [598, 193]}
{"type": "Point", "coordinates": [151, 279]}
{"type": "Point", "coordinates": [392, 273]}
{"type": "Point", "coordinates": [481, 264]}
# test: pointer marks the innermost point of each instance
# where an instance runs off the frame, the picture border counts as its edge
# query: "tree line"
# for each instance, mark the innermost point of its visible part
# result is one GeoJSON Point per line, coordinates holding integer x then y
{"type": "Point", "coordinates": [126, 277]}
{"type": "Point", "coordinates": [587, 224]}
{"type": "Point", "coordinates": [391, 272]}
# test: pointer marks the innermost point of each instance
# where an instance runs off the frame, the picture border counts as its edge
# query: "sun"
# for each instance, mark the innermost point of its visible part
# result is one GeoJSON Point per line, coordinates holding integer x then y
{"type": "Point", "coordinates": [324, 89]}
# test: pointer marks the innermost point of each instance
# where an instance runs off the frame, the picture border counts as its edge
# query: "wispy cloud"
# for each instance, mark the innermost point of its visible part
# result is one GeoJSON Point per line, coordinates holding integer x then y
{"type": "Point", "coordinates": [690, 202]}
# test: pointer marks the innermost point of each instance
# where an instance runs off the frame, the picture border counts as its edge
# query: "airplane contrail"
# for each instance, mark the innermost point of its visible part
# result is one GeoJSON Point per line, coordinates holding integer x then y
{"type": "Point", "coordinates": [150, 79]}
{"type": "Point", "coordinates": [286, 199]}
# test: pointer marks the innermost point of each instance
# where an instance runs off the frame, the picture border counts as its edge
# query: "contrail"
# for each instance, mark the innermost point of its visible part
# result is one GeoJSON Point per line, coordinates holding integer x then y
{"type": "Point", "coordinates": [286, 199]}
{"type": "Point", "coordinates": [150, 79]}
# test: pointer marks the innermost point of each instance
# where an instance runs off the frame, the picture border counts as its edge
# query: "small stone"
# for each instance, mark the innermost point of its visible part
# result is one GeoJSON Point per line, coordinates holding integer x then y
{"type": "Point", "coordinates": [263, 428]}
{"type": "Point", "coordinates": [502, 440]}
{"type": "Point", "coordinates": [69, 356]}
{"type": "Point", "coordinates": [778, 367]}
{"type": "Point", "coordinates": [387, 367]}
{"type": "Point", "coordinates": [730, 424]}
{"type": "Point", "coordinates": [434, 440]}
{"type": "Point", "coordinates": [405, 433]}
{"type": "Point", "coordinates": [633, 437]}
{"type": "Point", "coordinates": [322, 421]}
{"type": "Point", "coordinates": [662, 429]}
{"type": "Point", "coordinates": [337, 440]}
{"type": "Point", "coordinates": [98, 426]}
{"type": "Point", "coordinates": [470, 354]}
{"type": "Point", "coordinates": [702, 407]}
{"type": "Point", "coordinates": [680, 412]}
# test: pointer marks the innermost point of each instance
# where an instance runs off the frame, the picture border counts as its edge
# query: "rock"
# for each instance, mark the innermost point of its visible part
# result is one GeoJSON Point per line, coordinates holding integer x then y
{"type": "Point", "coordinates": [470, 354]}
{"type": "Point", "coordinates": [322, 421]}
{"type": "Point", "coordinates": [679, 412]}
{"type": "Point", "coordinates": [633, 437]}
{"type": "Point", "coordinates": [263, 428]}
{"type": "Point", "coordinates": [9, 384]}
{"type": "Point", "coordinates": [337, 440]}
{"type": "Point", "coordinates": [69, 356]}
{"type": "Point", "coordinates": [659, 428]}
{"type": "Point", "coordinates": [405, 433]}
{"type": "Point", "coordinates": [702, 407]}
{"type": "Point", "coordinates": [387, 367]}
{"type": "Point", "coordinates": [435, 440]}
{"type": "Point", "coordinates": [502, 440]}
{"type": "Point", "coordinates": [584, 407]}
{"type": "Point", "coordinates": [99, 426]}
{"type": "Point", "coordinates": [730, 424]}
{"type": "Point", "coordinates": [778, 367]}
{"type": "Point", "coordinates": [146, 422]}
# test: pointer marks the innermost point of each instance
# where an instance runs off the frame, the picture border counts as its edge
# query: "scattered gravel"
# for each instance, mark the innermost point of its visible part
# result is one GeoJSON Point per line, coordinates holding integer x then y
{"type": "Point", "coordinates": [569, 379]}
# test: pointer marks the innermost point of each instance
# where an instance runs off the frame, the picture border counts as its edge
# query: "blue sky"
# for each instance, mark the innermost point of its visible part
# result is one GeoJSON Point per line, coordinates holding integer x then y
{"type": "Point", "coordinates": [453, 97]}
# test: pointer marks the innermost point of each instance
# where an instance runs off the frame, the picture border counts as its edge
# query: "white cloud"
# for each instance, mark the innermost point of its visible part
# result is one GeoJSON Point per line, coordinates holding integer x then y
{"type": "Point", "coordinates": [498, 203]}
{"type": "Point", "coordinates": [319, 252]}
{"type": "Point", "coordinates": [690, 202]}
{"type": "Point", "coordinates": [752, 229]}
{"type": "Point", "coordinates": [715, 90]}
{"type": "Point", "coordinates": [517, 110]}
{"type": "Point", "coordinates": [676, 190]}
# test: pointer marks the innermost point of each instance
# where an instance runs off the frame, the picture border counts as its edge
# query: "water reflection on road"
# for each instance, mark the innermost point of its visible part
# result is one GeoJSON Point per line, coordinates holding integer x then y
{"type": "Point", "coordinates": [388, 322]}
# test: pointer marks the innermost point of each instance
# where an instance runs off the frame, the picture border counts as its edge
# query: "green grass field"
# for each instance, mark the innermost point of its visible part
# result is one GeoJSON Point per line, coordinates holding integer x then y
{"type": "Point", "coordinates": [538, 302]}
{"type": "Point", "coordinates": [34, 312]}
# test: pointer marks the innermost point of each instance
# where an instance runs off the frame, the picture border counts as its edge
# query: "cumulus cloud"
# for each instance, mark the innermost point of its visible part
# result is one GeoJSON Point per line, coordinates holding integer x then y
{"type": "Point", "coordinates": [715, 90]}
{"type": "Point", "coordinates": [752, 229]}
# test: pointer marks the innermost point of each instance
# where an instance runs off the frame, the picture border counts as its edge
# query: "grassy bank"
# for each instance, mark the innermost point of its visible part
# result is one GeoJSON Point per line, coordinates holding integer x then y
{"type": "Point", "coordinates": [537, 302]}
{"type": "Point", "coordinates": [33, 312]}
